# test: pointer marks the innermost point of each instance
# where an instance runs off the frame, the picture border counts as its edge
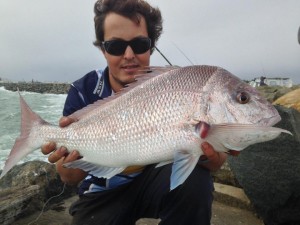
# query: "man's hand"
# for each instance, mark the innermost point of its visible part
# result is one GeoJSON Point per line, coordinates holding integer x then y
{"type": "Point", "coordinates": [61, 155]}
{"type": "Point", "coordinates": [211, 159]}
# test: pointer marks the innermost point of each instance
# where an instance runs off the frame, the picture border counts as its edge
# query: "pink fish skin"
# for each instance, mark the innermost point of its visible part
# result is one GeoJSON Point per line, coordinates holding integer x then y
{"type": "Point", "coordinates": [155, 120]}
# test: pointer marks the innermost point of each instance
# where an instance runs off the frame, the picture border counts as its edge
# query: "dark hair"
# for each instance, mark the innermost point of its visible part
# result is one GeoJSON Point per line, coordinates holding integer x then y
{"type": "Point", "coordinates": [132, 9]}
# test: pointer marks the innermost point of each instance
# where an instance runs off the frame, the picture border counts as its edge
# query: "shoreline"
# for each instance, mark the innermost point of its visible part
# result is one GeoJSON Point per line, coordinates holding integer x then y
{"type": "Point", "coordinates": [38, 87]}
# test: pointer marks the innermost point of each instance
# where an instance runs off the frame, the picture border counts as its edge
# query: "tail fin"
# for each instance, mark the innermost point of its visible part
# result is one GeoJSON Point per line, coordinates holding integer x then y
{"type": "Point", "coordinates": [23, 144]}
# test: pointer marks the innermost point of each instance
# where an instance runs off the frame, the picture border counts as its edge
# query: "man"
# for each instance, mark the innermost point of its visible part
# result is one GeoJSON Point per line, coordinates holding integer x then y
{"type": "Point", "coordinates": [126, 33]}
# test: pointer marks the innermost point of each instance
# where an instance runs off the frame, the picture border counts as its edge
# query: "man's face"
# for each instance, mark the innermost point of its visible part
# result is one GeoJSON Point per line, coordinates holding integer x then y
{"type": "Point", "coordinates": [123, 67]}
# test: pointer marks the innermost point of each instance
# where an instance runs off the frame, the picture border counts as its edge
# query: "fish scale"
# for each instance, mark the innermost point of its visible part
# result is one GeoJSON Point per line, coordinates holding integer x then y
{"type": "Point", "coordinates": [156, 120]}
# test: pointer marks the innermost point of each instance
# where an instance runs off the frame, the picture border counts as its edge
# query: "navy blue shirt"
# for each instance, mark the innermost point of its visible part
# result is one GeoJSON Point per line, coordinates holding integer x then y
{"type": "Point", "coordinates": [88, 89]}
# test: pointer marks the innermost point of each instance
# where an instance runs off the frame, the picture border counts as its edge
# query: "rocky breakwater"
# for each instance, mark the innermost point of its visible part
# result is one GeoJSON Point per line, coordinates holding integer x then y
{"type": "Point", "coordinates": [25, 189]}
{"type": "Point", "coordinates": [272, 93]}
{"type": "Point", "coordinates": [54, 88]}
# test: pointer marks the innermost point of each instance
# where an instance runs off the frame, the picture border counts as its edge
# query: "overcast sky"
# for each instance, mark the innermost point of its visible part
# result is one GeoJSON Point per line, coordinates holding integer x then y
{"type": "Point", "coordinates": [51, 40]}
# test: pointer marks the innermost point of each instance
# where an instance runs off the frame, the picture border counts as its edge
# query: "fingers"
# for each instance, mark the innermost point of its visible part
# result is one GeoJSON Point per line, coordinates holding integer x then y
{"type": "Point", "coordinates": [48, 148]}
{"type": "Point", "coordinates": [209, 152]}
{"type": "Point", "coordinates": [57, 155]}
{"type": "Point", "coordinates": [214, 159]}
{"type": "Point", "coordinates": [65, 121]}
{"type": "Point", "coordinates": [62, 153]}
{"type": "Point", "coordinates": [74, 155]}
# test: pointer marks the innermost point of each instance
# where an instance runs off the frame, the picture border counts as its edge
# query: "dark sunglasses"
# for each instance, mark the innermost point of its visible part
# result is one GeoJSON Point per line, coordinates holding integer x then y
{"type": "Point", "coordinates": [139, 45]}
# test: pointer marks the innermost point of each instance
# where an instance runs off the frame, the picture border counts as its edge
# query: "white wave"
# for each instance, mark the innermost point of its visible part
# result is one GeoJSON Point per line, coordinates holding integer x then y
{"type": "Point", "coordinates": [4, 90]}
{"type": "Point", "coordinates": [48, 106]}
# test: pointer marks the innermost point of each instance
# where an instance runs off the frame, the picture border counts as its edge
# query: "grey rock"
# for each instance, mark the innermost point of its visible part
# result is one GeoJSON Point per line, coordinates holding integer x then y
{"type": "Point", "coordinates": [34, 173]}
{"type": "Point", "coordinates": [26, 188]}
{"type": "Point", "coordinates": [17, 202]}
{"type": "Point", "coordinates": [224, 175]}
{"type": "Point", "coordinates": [270, 173]}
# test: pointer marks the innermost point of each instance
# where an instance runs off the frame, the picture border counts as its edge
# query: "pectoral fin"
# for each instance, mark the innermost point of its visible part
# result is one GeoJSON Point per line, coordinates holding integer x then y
{"type": "Point", "coordinates": [184, 164]}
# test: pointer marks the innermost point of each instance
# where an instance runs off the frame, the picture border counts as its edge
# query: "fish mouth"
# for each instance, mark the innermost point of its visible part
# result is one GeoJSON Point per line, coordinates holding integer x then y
{"type": "Point", "coordinates": [271, 121]}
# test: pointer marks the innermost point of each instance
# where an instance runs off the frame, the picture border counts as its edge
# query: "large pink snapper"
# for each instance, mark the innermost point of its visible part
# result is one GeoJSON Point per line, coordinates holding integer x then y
{"type": "Point", "coordinates": [155, 120]}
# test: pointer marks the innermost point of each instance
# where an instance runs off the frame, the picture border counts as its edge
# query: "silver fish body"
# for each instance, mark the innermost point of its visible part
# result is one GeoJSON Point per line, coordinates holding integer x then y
{"type": "Point", "coordinates": [155, 120]}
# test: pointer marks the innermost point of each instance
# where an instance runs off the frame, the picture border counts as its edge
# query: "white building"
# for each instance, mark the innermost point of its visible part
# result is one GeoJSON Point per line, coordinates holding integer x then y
{"type": "Point", "coordinates": [285, 82]}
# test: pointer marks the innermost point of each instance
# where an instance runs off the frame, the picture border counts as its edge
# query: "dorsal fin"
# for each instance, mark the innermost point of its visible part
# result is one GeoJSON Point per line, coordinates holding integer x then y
{"type": "Point", "coordinates": [143, 75]}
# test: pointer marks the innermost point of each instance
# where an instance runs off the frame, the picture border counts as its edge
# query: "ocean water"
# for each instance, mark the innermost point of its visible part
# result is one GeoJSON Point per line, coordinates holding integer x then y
{"type": "Point", "coordinates": [48, 106]}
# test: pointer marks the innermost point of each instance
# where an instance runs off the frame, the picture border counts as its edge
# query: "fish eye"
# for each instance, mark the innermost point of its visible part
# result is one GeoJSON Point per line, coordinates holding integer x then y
{"type": "Point", "coordinates": [243, 97]}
